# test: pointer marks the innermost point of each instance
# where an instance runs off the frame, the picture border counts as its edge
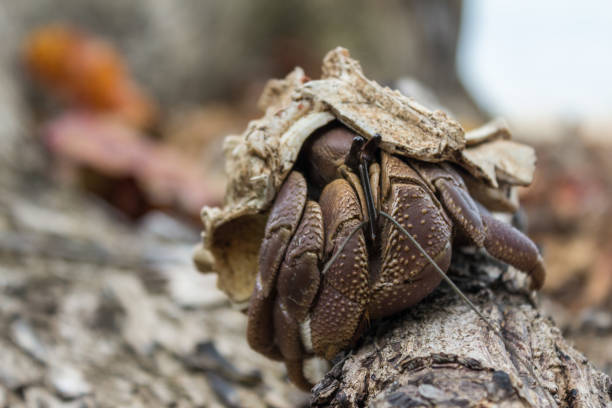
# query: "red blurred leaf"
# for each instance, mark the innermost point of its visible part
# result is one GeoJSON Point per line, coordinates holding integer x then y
{"type": "Point", "coordinates": [98, 142]}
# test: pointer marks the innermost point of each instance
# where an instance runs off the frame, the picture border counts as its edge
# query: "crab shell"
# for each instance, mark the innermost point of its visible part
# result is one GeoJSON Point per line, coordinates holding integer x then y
{"type": "Point", "coordinates": [258, 161]}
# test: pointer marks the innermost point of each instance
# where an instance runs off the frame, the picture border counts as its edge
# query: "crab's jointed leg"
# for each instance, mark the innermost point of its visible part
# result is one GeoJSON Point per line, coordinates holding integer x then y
{"type": "Point", "coordinates": [298, 283]}
{"type": "Point", "coordinates": [510, 245]}
{"type": "Point", "coordinates": [501, 240]}
{"type": "Point", "coordinates": [282, 223]}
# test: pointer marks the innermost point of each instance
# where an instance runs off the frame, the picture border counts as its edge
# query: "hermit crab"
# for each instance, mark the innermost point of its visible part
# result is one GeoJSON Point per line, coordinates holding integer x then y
{"type": "Point", "coordinates": [343, 206]}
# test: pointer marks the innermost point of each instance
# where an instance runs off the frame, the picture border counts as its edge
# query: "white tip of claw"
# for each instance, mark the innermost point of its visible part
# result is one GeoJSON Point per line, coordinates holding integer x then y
{"type": "Point", "coordinates": [306, 335]}
{"type": "Point", "coordinates": [315, 369]}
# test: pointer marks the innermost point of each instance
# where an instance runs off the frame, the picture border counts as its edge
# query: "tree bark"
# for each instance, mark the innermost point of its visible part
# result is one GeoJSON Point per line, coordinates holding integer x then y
{"type": "Point", "coordinates": [440, 353]}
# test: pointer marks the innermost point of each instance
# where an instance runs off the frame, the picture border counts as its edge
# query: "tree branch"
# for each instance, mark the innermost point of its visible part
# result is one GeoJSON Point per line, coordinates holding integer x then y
{"type": "Point", "coordinates": [440, 353]}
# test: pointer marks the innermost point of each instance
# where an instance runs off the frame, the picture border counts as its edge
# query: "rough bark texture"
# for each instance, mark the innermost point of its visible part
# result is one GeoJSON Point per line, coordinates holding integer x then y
{"type": "Point", "coordinates": [440, 353]}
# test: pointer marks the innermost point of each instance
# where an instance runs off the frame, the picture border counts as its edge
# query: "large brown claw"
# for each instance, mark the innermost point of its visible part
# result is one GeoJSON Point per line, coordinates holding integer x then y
{"type": "Point", "coordinates": [287, 333]}
{"type": "Point", "coordinates": [405, 276]}
{"type": "Point", "coordinates": [344, 292]}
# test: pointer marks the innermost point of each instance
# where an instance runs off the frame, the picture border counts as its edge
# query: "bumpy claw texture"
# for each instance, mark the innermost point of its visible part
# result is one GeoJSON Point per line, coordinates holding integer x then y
{"type": "Point", "coordinates": [344, 292]}
{"type": "Point", "coordinates": [301, 307]}
{"type": "Point", "coordinates": [404, 278]}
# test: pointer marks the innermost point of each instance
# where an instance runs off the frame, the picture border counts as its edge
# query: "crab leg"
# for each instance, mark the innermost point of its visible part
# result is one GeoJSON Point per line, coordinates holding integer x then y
{"type": "Point", "coordinates": [298, 283]}
{"type": "Point", "coordinates": [287, 334]}
{"type": "Point", "coordinates": [508, 244]}
{"type": "Point", "coordinates": [260, 331]}
{"type": "Point", "coordinates": [501, 240]}
{"type": "Point", "coordinates": [298, 279]}
{"type": "Point", "coordinates": [455, 198]}
{"type": "Point", "coordinates": [282, 223]}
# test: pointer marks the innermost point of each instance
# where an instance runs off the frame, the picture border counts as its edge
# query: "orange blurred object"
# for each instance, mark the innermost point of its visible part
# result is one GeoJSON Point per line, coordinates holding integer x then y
{"type": "Point", "coordinates": [87, 72]}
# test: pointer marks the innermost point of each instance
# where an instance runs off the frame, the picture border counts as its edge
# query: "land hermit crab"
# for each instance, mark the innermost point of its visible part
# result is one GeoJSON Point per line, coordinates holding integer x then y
{"type": "Point", "coordinates": [320, 190]}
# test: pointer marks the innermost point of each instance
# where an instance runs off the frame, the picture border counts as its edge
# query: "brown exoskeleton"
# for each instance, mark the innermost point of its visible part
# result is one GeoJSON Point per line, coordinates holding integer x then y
{"type": "Point", "coordinates": [321, 278]}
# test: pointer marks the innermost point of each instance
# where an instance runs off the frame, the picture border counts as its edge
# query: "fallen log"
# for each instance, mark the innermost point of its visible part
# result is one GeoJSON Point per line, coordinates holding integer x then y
{"type": "Point", "coordinates": [440, 353]}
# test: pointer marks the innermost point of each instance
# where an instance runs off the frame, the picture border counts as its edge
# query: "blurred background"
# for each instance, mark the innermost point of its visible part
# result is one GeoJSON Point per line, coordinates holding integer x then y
{"type": "Point", "coordinates": [112, 116]}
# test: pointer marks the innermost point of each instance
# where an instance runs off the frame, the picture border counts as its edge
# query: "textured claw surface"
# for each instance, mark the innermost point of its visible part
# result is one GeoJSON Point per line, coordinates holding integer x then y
{"type": "Point", "coordinates": [344, 291]}
{"type": "Point", "coordinates": [334, 321]}
{"type": "Point", "coordinates": [404, 276]}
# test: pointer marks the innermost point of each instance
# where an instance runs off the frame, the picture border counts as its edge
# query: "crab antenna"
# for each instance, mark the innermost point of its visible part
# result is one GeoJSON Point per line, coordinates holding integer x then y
{"type": "Point", "coordinates": [367, 154]}
{"type": "Point", "coordinates": [441, 272]}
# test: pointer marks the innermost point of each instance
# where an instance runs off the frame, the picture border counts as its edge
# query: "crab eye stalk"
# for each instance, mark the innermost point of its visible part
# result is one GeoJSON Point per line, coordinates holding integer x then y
{"type": "Point", "coordinates": [371, 147]}
{"type": "Point", "coordinates": [358, 159]}
{"type": "Point", "coordinates": [367, 190]}
{"type": "Point", "coordinates": [354, 155]}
